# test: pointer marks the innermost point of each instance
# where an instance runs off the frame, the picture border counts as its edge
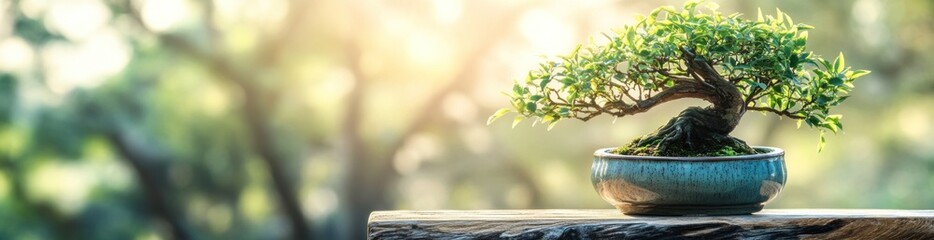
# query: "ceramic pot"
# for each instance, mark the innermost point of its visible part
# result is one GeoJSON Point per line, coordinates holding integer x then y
{"type": "Point", "coordinates": [649, 185]}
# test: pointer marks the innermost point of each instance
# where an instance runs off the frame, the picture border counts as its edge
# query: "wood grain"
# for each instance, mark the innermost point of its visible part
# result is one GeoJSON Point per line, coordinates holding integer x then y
{"type": "Point", "coordinates": [610, 224]}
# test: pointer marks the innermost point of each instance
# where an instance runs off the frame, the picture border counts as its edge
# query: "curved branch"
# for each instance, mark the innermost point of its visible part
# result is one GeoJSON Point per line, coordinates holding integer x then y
{"type": "Point", "coordinates": [700, 67]}
{"type": "Point", "coordinates": [678, 91]}
{"type": "Point", "coordinates": [753, 96]}
{"type": "Point", "coordinates": [785, 113]}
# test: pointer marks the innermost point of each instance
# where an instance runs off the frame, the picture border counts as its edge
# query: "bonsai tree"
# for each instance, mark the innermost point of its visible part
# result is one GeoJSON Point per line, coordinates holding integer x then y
{"type": "Point", "coordinates": [735, 64]}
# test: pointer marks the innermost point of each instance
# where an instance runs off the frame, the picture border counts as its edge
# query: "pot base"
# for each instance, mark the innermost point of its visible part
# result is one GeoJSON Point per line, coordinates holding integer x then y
{"type": "Point", "coordinates": [684, 210]}
{"type": "Point", "coordinates": [689, 186]}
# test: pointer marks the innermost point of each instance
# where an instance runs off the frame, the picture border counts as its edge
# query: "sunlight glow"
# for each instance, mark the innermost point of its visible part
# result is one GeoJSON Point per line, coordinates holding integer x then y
{"type": "Point", "coordinates": [914, 123]}
{"type": "Point", "coordinates": [15, 55]}
{"type": "Point", "coordinates": [334, 85]}
{"type": "Point", "coordinates": [459, 107]}
{"type": "Point", "coordinates": [77, 19]}
{"type": "Point", "coordinates": [214, 100]}
{"type": "Point", "coordinates": [4, 185]}
{"type": "Point", "coordinates": [67, 186]}
{"type": "Point", "coordinates": [418, 149]}
{"type": "Point", "coordinates": [448, 11]}
{"type": "Point", "coordinates": [320, 203]}
{"type": "Point", "coordinates": [85, 64]}
{"type": "Point", "coordinates": [34, 8]}
{"type": "Point", "coordinates": [866, 13]}
{"type": "Point", "coordinates": [429, 51]}
{"type": "Point", "coordinates": [478, 138]}
{"type": "Point", "coordinates": [371, 64]}
{"type": "Point", "coordinates": [425, 193]}
{"type": "Point", "coordinates": [547, 33]}
{"type": "Point", "coordinates": [558, 175]}
{"type": "Point", "coordinates": [113, 175]}
{"type": "Point", "coordinates": [148, 235]}
{"type": "Point", "coordinates": [266, 13]}
{"type": "Point", "coordinates": [254, 203]}
{"type": "Point", "coordinates": [164, 15]}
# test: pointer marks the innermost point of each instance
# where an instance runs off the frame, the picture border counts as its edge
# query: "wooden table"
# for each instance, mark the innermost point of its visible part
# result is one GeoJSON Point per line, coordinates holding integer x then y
{"type": "Point", "coordinates": [610, 224]}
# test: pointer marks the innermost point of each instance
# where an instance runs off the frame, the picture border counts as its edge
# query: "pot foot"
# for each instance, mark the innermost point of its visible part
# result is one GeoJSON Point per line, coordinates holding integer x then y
{"type": "Point", "coordinates": [687, 210]}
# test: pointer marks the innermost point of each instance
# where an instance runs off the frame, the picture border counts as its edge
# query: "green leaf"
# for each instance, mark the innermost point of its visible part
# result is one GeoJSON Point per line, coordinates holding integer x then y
{"type": "Point", "coordinates": [820, 145]}
{"type": "Point", "coordinates": [550, 118]}
{"type": "Point", "coordinates": [802, 39]}
{"type": "Point", "coordinates": [812, 120]}
{"type": "Point", "coordinates": [755, 84]}
{"type": "Point", "coordinates": [823, 99]}
{"type": "Point", "coordinates": [531, 107]}
{"type": "Point", "coordinates": [566, 81]}
{"type": "Point", "coordinates": [833, 128]}
{"type": "Point", "coordinates": [669, 9]}
{"type": "Point", "coordinates": [833, 122]}
{"type": "Point", "coordinates": [630, 37]}
{"type": "Point", "coordinates": [779, 16]}
{"type": "Point", "coordinates": [690, 5]}
{"type": "Point", "coordinates": [564, 112]}
{"type": "Point", "coordinates": [552, 125]}
{"type": "Point", "coordinates": [544, 82]}
{"type": "Point", "coordinates": [535, 97]}
{"type": "Point", "coordinates": [517, 120]}
{"type": "Point", "coordinates": [857, 74]}
{"type": "Point", "coordinates": [839, 63]}
{"type": "Point", "coordinates": [836, 81]}
{"type": "Point", "coordinates": [823, 63]}
{"type": "Point", "coordinates": [518, 90]}
{"type": "Point", "coordinates": [499, 113]}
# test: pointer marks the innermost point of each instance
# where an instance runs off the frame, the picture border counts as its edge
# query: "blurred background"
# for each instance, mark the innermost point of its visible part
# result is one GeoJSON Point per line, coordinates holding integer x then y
{"type": "Point", "coordinates": [268, 119]}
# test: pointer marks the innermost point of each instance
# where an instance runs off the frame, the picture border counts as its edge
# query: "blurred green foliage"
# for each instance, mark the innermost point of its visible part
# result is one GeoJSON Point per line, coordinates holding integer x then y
{"type": "Point", "coordinates": [256, 119]}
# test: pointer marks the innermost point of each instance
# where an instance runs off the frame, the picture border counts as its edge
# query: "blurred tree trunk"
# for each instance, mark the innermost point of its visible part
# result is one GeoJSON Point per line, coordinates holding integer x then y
{"type": "Point", "coordinates": [264, 145]}
{"type": "Point", "coordinates": [253, 105]}
{"type": "Point", "coordinates": [155, 195]}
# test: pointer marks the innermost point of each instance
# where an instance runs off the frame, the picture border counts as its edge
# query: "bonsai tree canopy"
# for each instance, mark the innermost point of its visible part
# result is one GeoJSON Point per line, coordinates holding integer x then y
{"type": "Point", "coordinates": [735, 64]}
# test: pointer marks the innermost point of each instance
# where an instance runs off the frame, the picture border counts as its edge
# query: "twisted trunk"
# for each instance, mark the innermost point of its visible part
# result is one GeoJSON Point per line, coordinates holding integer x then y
{"type": "Point", "coordinates": [699, 131]}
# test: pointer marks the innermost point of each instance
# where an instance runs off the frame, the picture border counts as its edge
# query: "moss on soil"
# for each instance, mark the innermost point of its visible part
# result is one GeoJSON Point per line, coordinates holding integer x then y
{"type": "Point", "coordinates": [651, 149]}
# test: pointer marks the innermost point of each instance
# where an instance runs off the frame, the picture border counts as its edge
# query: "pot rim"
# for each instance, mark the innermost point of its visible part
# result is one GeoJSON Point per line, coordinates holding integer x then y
{"type": "Point", "coordinates": [771, 152]}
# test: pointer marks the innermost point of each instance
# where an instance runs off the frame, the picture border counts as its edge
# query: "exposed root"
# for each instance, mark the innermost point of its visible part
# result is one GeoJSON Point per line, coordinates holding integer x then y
{"type": "Point", "coordinates": [694, 132]}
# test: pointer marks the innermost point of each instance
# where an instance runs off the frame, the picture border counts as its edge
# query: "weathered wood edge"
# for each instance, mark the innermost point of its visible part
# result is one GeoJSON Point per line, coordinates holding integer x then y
{"type": "Point", "coordinates": [606, 224]}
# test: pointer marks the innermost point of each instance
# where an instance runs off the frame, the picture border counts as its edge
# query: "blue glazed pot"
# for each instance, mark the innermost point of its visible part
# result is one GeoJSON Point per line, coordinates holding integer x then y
{"type": "Point", "coordinates": [649, 185]}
